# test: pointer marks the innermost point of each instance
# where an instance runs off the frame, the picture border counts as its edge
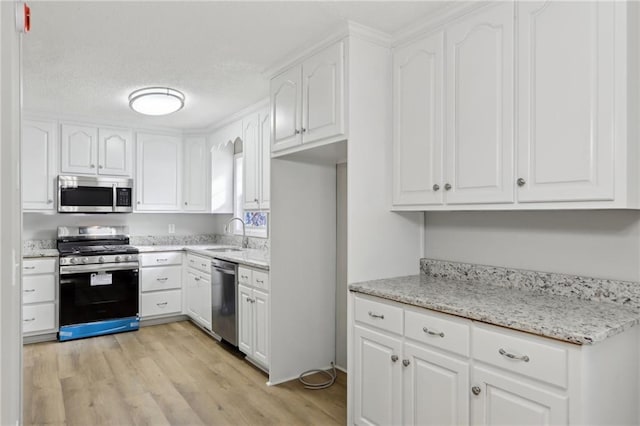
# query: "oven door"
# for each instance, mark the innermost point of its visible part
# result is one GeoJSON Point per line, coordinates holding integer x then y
{"type": "Point", "coordinates": [90, 293]}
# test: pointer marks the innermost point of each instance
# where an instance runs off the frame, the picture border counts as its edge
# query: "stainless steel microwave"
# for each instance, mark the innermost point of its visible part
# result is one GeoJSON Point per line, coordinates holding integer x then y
{"type": "Point", "coordinates": [90, 194]}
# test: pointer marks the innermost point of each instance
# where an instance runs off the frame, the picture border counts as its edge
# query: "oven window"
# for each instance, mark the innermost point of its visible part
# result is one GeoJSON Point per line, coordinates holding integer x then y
{"type": "Point", "coordinates": [87, 196]}
{"type": "Point", "coordinates": [81, 302]}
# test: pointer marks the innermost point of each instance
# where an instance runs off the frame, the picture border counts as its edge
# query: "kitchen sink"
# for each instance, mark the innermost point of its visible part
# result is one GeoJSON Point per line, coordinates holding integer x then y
{"type": "Point", "coordinates": [221, 250]}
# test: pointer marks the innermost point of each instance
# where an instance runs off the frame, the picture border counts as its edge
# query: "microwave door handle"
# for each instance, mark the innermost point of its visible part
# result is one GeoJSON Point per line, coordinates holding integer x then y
{"type": "Point", "coordinates": [115, 196]}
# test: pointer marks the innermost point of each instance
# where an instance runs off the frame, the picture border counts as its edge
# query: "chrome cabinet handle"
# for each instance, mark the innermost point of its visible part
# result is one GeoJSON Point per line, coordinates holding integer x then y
{"type": "Point", "coordinates": [476, 390]}
{"type": "Point", "coordinates": [138, 202]}
{"type": "Point", "coordinates": [93, 166]}
{"type": "Point", "coordinates": [372, 315]}
{"type": "Point", "coordinates": [100, 166]}
{"type": "Point", "coordinates": [524, 358]}
{"type": "Point", "coordinates": [29, 319]}
{"type": "Point", "coordinates": [185, 203]}
{"type": "Point", "coordinates": [406, 362]}
{"type": "Point", "coordinates": [297, 132]}
{"type": "Point", "coordinates": [432, 333]}
{"type": "Point", "coordinates": [30, 290]}
{"type": "Point", "coordinates": [521, 182]}
{"type": "Point", "coordinates": [304, 130]}
{"type": "Point", "coordinates": [447, 186]}
{"type": "Point", "coordinates": [244, 277]}
{"type": "Point", "coordinates": [49, 201]}
{"type": "Point", "coordinates": [161, 260]}
{"type": "Point", "coordinates": [162, 279]}
{"type": "Point", "coordinates": [197, 278]}
{"type": "Point", "coordinates": [394, 358]}
{"type": "Point", "coordinates": [29, 267]}
{"type": "Point", "coordinates": [436, 187]}
{"type": "Point", "coordinates": [161, 304]}
{"type": "Point", "coordinates": [260, 281]}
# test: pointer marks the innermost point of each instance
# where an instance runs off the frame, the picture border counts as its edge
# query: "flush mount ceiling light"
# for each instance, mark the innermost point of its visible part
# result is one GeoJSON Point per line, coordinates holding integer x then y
{"type": "Point", "coordinates": [156, 100]}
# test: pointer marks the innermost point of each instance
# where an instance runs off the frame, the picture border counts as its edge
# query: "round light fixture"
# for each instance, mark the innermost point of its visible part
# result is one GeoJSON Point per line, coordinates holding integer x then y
{"type": "Point", "coordinates": [156, 100]}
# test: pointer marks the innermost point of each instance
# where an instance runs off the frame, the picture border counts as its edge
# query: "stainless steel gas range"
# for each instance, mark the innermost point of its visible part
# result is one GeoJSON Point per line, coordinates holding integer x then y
{"type": "Point", "coordinates": [98, 281]}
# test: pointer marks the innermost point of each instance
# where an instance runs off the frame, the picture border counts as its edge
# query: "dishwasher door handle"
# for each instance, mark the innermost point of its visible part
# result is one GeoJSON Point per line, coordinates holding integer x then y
{"type": "Point", "coordinates": [225, 271]}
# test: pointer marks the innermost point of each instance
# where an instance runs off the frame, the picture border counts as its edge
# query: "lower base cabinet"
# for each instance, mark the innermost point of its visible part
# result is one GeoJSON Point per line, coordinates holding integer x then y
{"type": "Point", "coordinates": [198, 280]}
{"type": "Point", "coordinates": [160, 284]}
{"type": "Point", "coordinates": [414, 366]}
{"type": "Point", "coordinates": [253, 315]}
{"type": "Point", "coordinates": [39, 296]}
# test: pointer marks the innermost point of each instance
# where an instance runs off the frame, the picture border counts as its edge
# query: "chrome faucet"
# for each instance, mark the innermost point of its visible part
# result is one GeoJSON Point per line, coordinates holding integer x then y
{"type": "Point", "coordinates": [227, 229]}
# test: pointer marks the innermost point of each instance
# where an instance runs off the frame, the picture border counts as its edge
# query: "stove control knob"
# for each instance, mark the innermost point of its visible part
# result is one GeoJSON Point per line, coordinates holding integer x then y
{"type": "Point", "coordinates": [118, 259]}
{"type": "Point", "coordinates": [101, 259]}
{"type": "Point", "coordinates": [85, 260]}
{"type": "Point", "coordinates": [127, 258]}
{"type": "Point", "coordinates": [74, 260]}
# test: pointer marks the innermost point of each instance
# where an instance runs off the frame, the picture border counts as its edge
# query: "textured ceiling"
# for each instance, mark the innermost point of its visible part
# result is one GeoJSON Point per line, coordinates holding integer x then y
{"type": "Point", "coordinates": [84, 58]}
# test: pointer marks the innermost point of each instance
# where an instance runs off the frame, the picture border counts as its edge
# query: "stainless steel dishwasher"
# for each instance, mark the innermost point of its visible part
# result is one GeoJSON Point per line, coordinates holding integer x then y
{"type": "Point", "coordinates": [224, 296]}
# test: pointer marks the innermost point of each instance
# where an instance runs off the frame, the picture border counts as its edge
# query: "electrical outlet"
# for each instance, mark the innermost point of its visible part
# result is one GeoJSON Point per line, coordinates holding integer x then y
{"type": "Point", "coordinates": [172, 228]}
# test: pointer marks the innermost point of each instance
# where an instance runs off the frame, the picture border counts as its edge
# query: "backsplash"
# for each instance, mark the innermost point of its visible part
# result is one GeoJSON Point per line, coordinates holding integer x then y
{"type": "Point", "coordinates": [621, 292]}
{"type": "Point", "coordinates": [31, 245]}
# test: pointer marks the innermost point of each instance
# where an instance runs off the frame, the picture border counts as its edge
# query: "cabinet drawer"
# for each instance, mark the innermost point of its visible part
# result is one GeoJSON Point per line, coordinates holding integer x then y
{"type": "Point", "coordinates": [436, 330]}
{"type": "Point", "coordinates": [378, 314]}
{"type": "Point", "coordinates": [200, 263]}
{"type": "Point", "coordinates": [162, 278]}
{"type": "Point", "coordinates": [160, 303]}
{"type": "Point", "coordinates": [539, 360]}
{"type": "Point", "coordinates": [260, 280]}
{"type": "Point", "coordinates": [245, 276]}
{"type": "Point", "coordinates": [38, 288]}
{"type": "Point", "coordinates": [38, 317]}
{"type": "Point", "coordinates": [39, 266]}
{"type": "Point", "coordinates": [161, 259]}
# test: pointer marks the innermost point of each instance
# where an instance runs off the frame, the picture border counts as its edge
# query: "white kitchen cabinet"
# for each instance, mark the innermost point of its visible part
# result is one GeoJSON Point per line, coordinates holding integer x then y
{"type": "Point", "coordinates": [308, 101]}
{"type": "Point", "coordinates": [418, 108]}
{"type": "Point", "coordinates": [158, 172]}
{"type": "Point", "coordinates": [39, 170]}
{"type": "Point", "coordinates": [39, 296]}
{"type": "Point", "coordinates": [479, 108]}
{"type": "Point", "coordinates": [160, 283]}
{"type": "Point", "coordinates": [251, 161]}
{"type": "Point", "coordinates": [195, 174]}
{"type": "Point", "coordinates": [90, 150]}
{"type": "Point", "coordinates": [566, 92]}
{"type": "Point", "coordinates": [265, 160]}
{"type": "Point", "coordinates": [253, 315]}
{"type": "Point", "coordinates": [221, 176]}
{"type": "Point", "coordinates": [198, 277]}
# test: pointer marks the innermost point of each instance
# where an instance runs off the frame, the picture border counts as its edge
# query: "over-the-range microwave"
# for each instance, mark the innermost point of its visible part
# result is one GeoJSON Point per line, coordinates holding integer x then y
{"type": "Point", "coordinates": [90, 194]}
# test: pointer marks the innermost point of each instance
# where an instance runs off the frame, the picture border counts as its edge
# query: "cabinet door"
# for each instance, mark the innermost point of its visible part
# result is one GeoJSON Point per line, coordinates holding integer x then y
{"type": "Point", "coordinates": [265, 164]}
{"type": "Point", "coordinates": [436, 388]}
{"type": "Point", "coordinates": [261, 327]}
{"type": "Point", "coordinates": [378, 387]}
{"type": "Point", "coordinates": [417, 123]}
{"type": "Point", "coordinates": [323, 94]}
{"type": "Point", "coordinates": [245, 319]}
{"type": "Point", "coordinates": [566, 101]}
{"type": "Point", "coordinates": [193, 297]}
{"type": "Point", "coordinates": [286, 117]}
{"type": "Point", "coordinates": [78, 149]}
{"type": "Point", "coordinates": [158, 172]}
{"type": "Point", "coordinates": [505, 400]}
{"type": "Point", "coordinates": [479, 142]}
{"type": "Point", "coordinates": [39, 153]}
{"type": "Point", "coordinates": [195, 174]}
{"type": "Point", "coordinates": [114, 152]}
{"type": "Point", "coordinates": [251, 160]}
{"type": "Point", "coordinates": [221, 190]}
{"type": "Point", "coordinates": [204, 294]}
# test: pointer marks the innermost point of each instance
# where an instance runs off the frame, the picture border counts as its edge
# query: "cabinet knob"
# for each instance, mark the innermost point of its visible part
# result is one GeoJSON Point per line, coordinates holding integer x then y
{"type": "Point", "coordinates": [304, 130]}
{"type": "Point", "coordinates": [394, 358]}
{"type": "Point", "coordinates": [406, 362]}
{"type": "Point", "coordinates": [49, 201]}
{"type": "Point", "coordinates": [447, 186]}
{"type": "Point", "coordinates": [185, 203]}
{"type": "Point", "coordinates": [476, 390]}
{"type": "Point", "coordinates": [297, 132]}
{"type": "Point", "coordinates": [436, 187]}
{"type": "Point", "coordinates": [521, 182]}
{"type": "Point", "coordinates": [138, 202]}
{"type": "Point", "coordinates": [93, 166]}
{"type": "Point", "coordinates": [100, 166]}
{"type": "Point", "coordinates": [255, 199]}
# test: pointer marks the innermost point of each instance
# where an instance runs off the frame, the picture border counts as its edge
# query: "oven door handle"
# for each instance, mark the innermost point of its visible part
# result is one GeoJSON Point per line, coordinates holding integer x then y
{"type": "Point", "coordinates": [79, 269]}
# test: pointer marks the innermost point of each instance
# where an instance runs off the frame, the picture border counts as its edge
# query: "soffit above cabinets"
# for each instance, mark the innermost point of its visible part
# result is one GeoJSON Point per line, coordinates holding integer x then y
{"type": "Point", "coordinates": [84, 58]}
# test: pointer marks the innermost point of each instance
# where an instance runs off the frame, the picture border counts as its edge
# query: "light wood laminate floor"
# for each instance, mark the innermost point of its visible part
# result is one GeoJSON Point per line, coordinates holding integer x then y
{"type": "Point", "coordinates": [165, 374]}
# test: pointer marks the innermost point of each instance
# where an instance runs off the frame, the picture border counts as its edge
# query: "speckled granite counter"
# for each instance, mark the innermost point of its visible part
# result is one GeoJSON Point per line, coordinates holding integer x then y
{"type": "Point", "coordinates": [249, 257]}
{"type": "Point", "coordinates": [560, 317]}
{"type": "Point", "coordinates": [39, 252]}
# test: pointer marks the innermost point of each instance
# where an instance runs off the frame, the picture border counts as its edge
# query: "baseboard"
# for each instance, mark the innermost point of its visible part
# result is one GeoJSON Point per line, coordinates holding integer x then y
{"type": "Point", "coordinates": [163, 320]}
{"type": "Point", "coordinates": [40, 338]}
{"type": "Point", "coordinates": [344, 370]}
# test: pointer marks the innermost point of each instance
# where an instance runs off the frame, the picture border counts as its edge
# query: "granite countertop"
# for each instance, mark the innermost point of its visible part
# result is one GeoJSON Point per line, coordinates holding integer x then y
{"type": "Point", "coordinates": [560, 317]}
{"type": "Point", "coordinates": [40, 252]}
{"type": "Point", "coordinates": [249, 257]}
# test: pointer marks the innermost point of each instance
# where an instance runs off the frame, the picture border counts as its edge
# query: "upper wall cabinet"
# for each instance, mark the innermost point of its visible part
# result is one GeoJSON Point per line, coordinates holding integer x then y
{"type": "Point", "coordinates": [221, 175]}
{"type": "Point", "coordinates": [574, 146]}
{"type": "Point", "coordinates": [195, 174]}
{"type": "Point", "coordinates": [308, 101]}
{"type": "Point", "coordinates": [89, 150]}
{"type": "Point", "coordinates": [158, 172]}
{"type": "Point", "coordinates": [39, 171]}
{"type": "Point", "coordinates": [257, 160]}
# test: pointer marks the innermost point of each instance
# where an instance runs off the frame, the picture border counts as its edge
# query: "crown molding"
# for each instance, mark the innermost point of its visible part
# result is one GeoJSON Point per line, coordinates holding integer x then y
{"type": "Point", "coordinates": [255, 107]}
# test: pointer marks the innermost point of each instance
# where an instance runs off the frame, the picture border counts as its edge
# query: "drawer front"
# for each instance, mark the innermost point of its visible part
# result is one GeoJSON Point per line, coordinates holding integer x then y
{"type": "Point", "coordinates": [38, 317]}
{"type": "Point", "coordinates": [165, 278]}
{"type": "Point", "coordinates": [160, 303]}
{"type": "Point", "coordinates": [260, 279]}
{"type": "Point", "coordinates": [245, 276]}
{"type": "Point", "coordinates": [38, 288]}
{"type": "Point", "coordinates": [437, 331]}
{"type": "Point", "coordinates": [161, 259]}
{"type": "Point", "coordinates": [378, 314]}
{"type": "Point", "coordinates": [198, 262]}
{"type": "Point", "coordinates": [39, 266]}
{"type": "Point", "coordinates": [539, 360]}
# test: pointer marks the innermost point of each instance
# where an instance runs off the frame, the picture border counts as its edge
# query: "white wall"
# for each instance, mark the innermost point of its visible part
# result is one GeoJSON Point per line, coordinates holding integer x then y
{"type": "Point", "coordinates": [602, 244]}
{"type": "Point", "coordinates": [44, 226]}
